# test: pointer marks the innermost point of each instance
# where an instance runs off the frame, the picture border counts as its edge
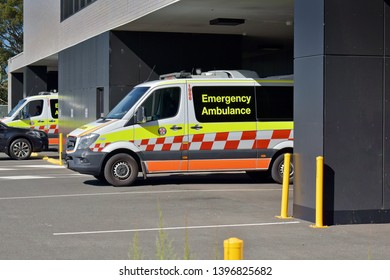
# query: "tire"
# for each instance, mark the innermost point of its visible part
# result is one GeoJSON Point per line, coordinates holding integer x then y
{"type": "Point", "coordinates": [277, 170]}
{"type": "Point", "coordinates": [121, 170]}
{"type": "Point", "coordinates": [20, 149]}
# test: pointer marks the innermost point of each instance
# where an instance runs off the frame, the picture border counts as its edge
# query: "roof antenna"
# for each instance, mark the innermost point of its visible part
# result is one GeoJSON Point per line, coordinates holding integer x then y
{"type": "Point", "coordinates": [150, 74]}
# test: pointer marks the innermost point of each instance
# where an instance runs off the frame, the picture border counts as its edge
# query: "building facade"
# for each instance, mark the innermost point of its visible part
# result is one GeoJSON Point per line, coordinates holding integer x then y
{"type": "Point", "coordinates": [94, 51]}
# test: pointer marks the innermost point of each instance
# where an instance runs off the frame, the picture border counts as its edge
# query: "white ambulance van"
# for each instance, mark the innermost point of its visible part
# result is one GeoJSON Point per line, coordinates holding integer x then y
{"type": "Point", "coordinates": [37, 112]}
{"type": "Point", "coordinates": [215, 121]}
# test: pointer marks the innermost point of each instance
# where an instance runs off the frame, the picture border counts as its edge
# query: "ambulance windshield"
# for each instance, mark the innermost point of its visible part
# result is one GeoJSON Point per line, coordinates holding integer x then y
{"type": "Point", "coordinates": [16, 108]}
{"type": "Point", "coordinates": [127, 103]}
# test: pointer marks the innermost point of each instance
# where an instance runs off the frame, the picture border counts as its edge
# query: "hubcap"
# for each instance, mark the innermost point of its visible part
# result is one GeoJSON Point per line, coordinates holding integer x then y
{"type": "Point", "coordinates": [20, 149]}
{"type": "Point", "coordinates": [121, 170]}
{"type": "Point", "coordinates": [281, 169]}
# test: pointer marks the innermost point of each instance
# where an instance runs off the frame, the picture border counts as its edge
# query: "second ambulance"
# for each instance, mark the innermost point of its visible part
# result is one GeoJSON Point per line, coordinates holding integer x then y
{"type": "Point", "coordinates": [214, 121]}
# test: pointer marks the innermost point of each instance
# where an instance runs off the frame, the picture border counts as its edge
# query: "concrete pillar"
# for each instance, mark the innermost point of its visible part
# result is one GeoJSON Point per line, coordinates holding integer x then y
{"type": "Point", "coordinates": [341, 71]}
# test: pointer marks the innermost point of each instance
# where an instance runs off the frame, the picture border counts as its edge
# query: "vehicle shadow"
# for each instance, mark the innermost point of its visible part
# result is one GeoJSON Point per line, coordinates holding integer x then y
{"type": "Point", "coordinates": [190, 179]}
{"type": "Point", "coordinates": [5, 158]}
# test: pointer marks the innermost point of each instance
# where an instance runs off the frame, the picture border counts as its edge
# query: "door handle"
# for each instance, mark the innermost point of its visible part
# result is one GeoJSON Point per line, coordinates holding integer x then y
{"type": "Point", "coordinates": [52, 121]}
{"type": "Point", "coordinates": [197, 127]}
{"type": "Point", "coordinates": [175, 127]}
{"type": "Point", "coordinates": [40, 121]}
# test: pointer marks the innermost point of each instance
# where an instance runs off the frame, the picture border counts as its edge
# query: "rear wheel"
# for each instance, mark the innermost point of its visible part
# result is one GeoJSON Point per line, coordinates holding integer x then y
{"type": "Point", "coordinates": [20, 149]}
{"type": "Point", "coordinates": [121, 170]}
{"type": "Point", "coordinates": [277, 170]}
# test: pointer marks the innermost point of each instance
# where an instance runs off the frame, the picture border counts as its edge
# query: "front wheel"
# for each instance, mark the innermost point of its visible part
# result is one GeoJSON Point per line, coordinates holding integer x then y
{"type": "Point", "coordinates": [277, 170]}
{"type": "Point", "coordinates": [121, 170]}
{"type": "Point", "coordinates": [20, 149]}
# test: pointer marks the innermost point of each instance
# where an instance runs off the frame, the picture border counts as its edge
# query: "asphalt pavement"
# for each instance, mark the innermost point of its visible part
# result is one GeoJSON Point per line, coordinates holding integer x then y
{"type": "Point", "coordinates": [51, 213]}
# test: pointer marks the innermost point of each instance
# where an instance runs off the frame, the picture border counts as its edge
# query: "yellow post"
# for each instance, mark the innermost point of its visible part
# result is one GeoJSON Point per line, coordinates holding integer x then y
{"type": "Point", "coordinates": [319, 193]}
{"type": "Point", "coordinates": [286, 183]}
{"type": "Point", "coordinates": [233, 249]}
{"type": "Point", "coordinates": [60, 149]}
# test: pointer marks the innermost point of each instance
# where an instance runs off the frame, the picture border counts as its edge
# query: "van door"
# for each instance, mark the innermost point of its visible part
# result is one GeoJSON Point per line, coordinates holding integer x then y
{"type": "Point", "coordinates": [222, 126]}
{"type": "Point", "coordinates": [32, 115]}
{"type": "Point", "coordinates": [52, 125]}
{"type": "Point", "coordinates": [160, 138]}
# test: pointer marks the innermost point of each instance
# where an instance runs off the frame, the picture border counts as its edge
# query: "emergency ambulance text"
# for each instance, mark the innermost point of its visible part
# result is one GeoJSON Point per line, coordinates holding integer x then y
{"type": "Point", "coordinates": [226, 99]}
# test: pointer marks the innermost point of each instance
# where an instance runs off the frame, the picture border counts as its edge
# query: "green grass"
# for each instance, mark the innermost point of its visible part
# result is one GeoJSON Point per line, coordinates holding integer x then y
{"type": "Point", "coordinates": [164, 245]}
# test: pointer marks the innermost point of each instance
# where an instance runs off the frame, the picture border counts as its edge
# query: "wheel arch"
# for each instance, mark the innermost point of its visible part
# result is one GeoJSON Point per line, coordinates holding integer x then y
{"type": "Point", "coordinates": [278, 153]}
{"type": "Point", "coordinates": [120, 151]}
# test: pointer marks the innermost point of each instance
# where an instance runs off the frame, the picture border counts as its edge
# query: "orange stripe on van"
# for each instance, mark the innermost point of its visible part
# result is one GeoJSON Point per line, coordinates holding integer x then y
{"type": "Point", "coordinates": [207, 165]}
{"type": "Point", "coordinates": [166, 166]}
{"type": "Point", "coordinates": [228, 164]}
{"type": "Point", "coordinates": [53, 141]}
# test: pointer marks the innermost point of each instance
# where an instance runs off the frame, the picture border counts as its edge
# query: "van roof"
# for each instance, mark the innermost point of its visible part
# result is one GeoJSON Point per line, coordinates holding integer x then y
{"type": "Point", "coordinates": [220, 75]}
{"type": "Point", "coordinates": [45, 93]}
{"type": "Point", "coordinates": [230, 74]}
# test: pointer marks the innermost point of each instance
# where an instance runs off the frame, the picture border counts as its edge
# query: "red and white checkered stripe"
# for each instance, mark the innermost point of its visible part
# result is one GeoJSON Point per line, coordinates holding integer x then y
{"type": "Point", "coordinates": [264, 139]}
{"type": "Point", "coordinates": [53, 129]}
{"type": "Point", "coordinates": [98, 147]}
{"type": "Point", "coordinates": [218, 141]}
{"type": "Point", "coordinates": [161, 144]}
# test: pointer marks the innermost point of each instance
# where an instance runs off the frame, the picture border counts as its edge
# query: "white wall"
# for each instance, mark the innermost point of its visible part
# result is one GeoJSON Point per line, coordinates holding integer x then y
{"type": "Point", "coordinates": [45, 34]}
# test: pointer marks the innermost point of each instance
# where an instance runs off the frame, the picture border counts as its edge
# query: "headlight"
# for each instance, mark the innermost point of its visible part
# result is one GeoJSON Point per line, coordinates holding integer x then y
{"type": "Point", "coordinates": [87, 140]}
{"type": "Point", "coordinates": [34, 133]}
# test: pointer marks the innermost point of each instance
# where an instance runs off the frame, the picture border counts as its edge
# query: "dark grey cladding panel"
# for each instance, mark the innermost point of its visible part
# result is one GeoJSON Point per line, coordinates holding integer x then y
{"type": "Point", "coordinates": [387, 24]}
{"type": "Point", "coordinates": [386, 151]}
{"type": "Point", "coordinates": [308, 28]}
{"type": "Point", "coordinates": [85, 65]}
{"type": "Point", "coordinates": [82, 68]}
{"type": "Point", "coordinates": [308, 126]}
{"type": "Point", "coordinates": [354, 27]}
{"type": "Point", "coordinates": [353, 137]}
{"type": "Point", "coordinates": [133, 55]}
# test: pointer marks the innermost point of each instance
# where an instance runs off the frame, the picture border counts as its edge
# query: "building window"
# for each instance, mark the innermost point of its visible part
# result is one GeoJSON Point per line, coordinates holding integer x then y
{"type": "Point", "coordinates": [70, 7]}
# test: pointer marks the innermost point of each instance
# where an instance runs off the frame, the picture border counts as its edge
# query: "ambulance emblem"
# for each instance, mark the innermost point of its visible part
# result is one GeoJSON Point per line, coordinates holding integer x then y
{"type": "Point", "coordinates": [162, 131]}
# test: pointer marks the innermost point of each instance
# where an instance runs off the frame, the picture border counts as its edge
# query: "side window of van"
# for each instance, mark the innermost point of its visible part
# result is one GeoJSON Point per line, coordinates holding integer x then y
{"type": "Point", "coordinates": [162, 103]}
{"type": "Point", "coordinates": [54, 108]}
{"type": "Point", "coordinates": [224, 103]}
{"type": "Point", "coordinates": [32, 109]}
{"type": "Point", "coordinates": [274, 103]}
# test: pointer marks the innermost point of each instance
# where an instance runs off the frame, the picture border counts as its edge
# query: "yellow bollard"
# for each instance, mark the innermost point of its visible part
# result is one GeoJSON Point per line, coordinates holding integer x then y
{"type": "Point", "coordinates": [286, 183]}
{"type": "Point", "coordinates": [233, 249]}
{"type": "Point", "coordinates": [319, 193]}
{"type": "Point", "coordinates": [60, 149]}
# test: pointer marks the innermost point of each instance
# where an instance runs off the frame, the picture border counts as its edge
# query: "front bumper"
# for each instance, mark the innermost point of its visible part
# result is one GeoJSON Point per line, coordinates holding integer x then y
{"type": "Point", "coordinates": [86, 161]}
{"type": "Point", "coordinates": [39, 144]}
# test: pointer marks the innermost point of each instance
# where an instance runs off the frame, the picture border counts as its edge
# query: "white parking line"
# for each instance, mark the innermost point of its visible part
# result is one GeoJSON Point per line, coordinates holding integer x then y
{"type": "Point", "coordinates": [43, 166]}
{"type": "Point", "coordinates": [24, 167]}
{"type": "Point", "coordinates": [35, 177]}
{"type": "Point", "coordinates": [171, 228]}
{"type": "Point", "coordinates": [135, 192]}
{"type": "Point", "coordinates": [23, 177]}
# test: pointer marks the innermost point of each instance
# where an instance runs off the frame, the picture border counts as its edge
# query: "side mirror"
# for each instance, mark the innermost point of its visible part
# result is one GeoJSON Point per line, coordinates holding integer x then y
{"type": "Point", "coordinates": [140, 115]}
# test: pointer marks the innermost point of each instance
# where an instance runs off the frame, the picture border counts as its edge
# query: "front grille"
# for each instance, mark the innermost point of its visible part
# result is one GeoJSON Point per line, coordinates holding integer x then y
{"type": "Point", "coordinates": [70, 143]}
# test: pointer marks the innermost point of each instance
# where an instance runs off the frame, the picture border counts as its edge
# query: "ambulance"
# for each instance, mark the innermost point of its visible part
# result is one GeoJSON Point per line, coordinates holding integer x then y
{"type": "Point", "coordinates": [37, 112]}
{"type": "Point", "coordinates": [217, 121]}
